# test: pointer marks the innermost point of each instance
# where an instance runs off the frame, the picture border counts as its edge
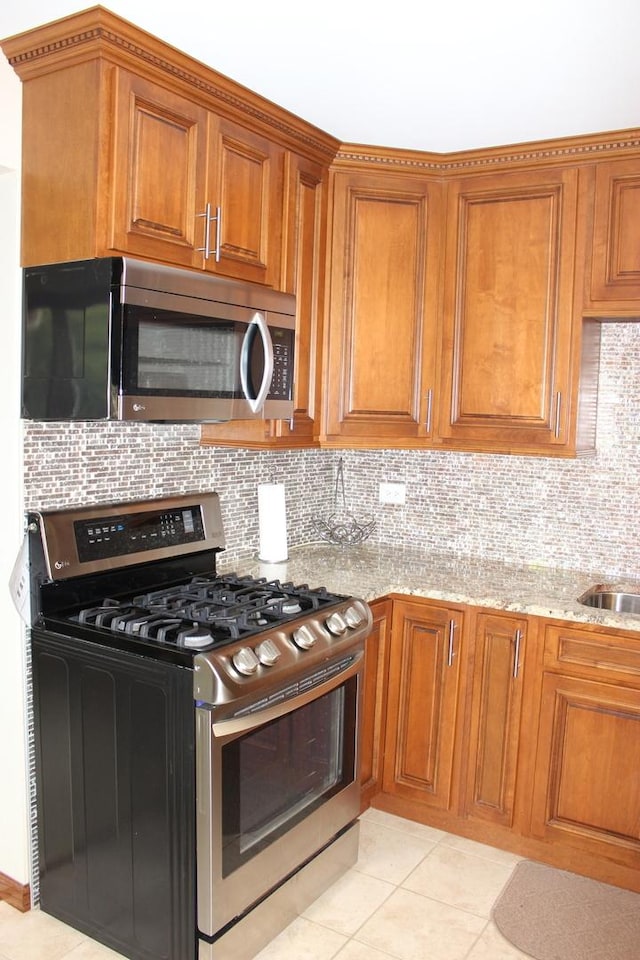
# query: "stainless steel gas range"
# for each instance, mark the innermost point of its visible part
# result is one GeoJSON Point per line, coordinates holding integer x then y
{"type": "Point", "coordinates": [196, 734]}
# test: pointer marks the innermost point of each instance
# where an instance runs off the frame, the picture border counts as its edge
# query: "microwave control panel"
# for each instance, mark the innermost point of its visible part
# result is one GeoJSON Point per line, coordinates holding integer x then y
{"type": "Point", "coordinates": [282, 379]}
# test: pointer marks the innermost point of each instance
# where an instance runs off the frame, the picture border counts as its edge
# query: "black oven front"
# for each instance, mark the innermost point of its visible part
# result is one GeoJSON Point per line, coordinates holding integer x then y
{"type": "Point", "coordinates": [276, 789]}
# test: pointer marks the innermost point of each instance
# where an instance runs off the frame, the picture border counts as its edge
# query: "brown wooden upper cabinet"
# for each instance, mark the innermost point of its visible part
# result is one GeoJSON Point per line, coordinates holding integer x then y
{"type": "Point", "coordinates": [161, 178]}
{"type": "Point", "coordinates": [132, 147]}
{"type": "Point", "coordinates": [380, 366]}
{"type": "Point", "coordinates": [303, 257]}
{"type": "Point", "coordinates": [193, 188]}
{"type": "Point", "coordinates": [614, 288]}
{"type": "Point", "coordinates": [510, 324]}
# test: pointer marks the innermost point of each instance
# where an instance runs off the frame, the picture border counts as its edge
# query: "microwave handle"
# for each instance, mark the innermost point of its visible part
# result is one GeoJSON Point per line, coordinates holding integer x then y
{"type": "Point", "coordinates": [260, 322]}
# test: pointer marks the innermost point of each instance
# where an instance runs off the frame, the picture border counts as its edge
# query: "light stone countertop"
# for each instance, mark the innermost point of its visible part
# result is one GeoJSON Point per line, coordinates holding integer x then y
{"type": "Point", "coordinates": [371, 571]}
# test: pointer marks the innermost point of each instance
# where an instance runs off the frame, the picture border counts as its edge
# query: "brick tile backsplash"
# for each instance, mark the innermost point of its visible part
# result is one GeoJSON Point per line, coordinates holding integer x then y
{"type": "Point", "coordinates": [568, 513]}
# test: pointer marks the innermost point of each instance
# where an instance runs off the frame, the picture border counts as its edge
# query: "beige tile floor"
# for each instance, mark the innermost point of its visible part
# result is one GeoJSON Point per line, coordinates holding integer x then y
{"type": "Point", "coordinates": [415, 894]}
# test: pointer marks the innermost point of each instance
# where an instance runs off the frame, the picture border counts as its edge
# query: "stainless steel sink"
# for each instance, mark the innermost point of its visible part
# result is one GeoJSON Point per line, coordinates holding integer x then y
{"type": "Point", "coordinates": [608, 598]}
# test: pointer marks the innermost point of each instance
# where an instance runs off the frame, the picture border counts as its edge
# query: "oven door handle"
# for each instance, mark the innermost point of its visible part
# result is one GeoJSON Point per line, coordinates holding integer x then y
{"type": "Point", "coordinates": [225, 730]}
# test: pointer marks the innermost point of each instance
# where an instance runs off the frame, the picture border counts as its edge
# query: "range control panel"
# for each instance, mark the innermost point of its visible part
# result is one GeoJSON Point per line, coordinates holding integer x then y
{"type": "Point", "coordinates": [84, 540]}
{"type": "Point", "coordinates": [122, 534]}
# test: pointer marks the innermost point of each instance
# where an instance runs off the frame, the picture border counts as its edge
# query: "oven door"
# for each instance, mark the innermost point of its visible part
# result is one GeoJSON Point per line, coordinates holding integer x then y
{"type": "Point", "coordinates": [273, 788]}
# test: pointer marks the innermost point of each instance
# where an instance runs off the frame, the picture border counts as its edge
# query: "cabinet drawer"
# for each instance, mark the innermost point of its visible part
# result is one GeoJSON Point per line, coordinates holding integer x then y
{"type": "Point", "coordinates": [593, 654]}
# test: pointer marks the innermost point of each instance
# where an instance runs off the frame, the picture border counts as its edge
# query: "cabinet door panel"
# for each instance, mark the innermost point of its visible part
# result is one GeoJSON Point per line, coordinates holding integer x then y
{"type": "Point", "coordinates": [509, 309]}
{"type": "Point", "coordinates": [615, 272]}
{"type": "Point", "coordinates": [246, 181]}
{"type": "Point", "coordinates": [305, 252]}
{"type": "Point", "coordinates": [507, 260]}
{"type": "Point", "coordinates": [424, 675]}
{"type": "Point", "coordinates": [586, 786]}
{"type": "Point", "coordinates": [386, 308]}
{"type": "Point", "coordinates": [384, 288]}
{"type": "Point", "coordinates": [495, 717]}
{"type": "Point", "coordinates": [62, 166]}
{"type": "Point", "coordinates": [158, 176]}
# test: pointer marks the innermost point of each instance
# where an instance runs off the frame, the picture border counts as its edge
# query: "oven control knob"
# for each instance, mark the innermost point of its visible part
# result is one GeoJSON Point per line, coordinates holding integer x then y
{"type": "Point", "coordinates": [267, 653]}
{"type": "Point", "coordinates": [304, 637]}
{"type": "Point", "coordinates": [353, 617]}
{"type": "Point", "coordinates": [336, 624]}
{"type": "Point", "coordinates": [245, 661]}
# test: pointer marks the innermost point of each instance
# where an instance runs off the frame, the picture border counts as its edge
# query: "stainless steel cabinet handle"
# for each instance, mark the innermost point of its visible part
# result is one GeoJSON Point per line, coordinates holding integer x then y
{"type": "Point", "coordinates": [429, 409]}
{"type": "Point", "coordinates": [558, 409]}
{"type": "Point", "coordinates": [207, 230]}
{"type": "Point", "coordinates": [516, 653]}
{"type": "Point", "coordinates": [218, 220]}
{"type": "Point", "coordinates": [450, 651]}
{"type": "Point", "coordinates": [208, 220]}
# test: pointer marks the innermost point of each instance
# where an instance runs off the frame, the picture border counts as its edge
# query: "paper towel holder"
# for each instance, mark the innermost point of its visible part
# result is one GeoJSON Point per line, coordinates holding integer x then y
{"type": "Point", "coordinates": [272, 521]}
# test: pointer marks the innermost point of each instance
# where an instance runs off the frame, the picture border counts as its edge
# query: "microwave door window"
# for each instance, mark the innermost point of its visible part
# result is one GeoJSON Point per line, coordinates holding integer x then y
{"type": "Point", "coordinates": [187, 358]}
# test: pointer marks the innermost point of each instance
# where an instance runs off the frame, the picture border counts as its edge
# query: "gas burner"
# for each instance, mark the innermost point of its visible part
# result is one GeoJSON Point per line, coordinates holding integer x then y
{"type": "Point", "coordinates": [195, 638]}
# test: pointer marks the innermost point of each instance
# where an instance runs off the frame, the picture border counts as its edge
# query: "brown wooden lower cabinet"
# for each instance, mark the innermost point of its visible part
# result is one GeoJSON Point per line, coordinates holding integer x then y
{"type": "Point", "coordinates": [374, 701]}
{"type": "Point", "coordinates": [519, 732]}
{"type": "Point", "coordinates": [497, 662]}
{"type": "Point", "coordinates": [422, 708]}
{"type": "Point", "coordinates": [587, 767]}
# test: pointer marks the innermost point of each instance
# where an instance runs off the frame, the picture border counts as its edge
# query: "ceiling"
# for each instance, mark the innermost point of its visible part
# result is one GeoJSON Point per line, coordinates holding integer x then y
{"type": "Point", "coordinates": [410, 73]}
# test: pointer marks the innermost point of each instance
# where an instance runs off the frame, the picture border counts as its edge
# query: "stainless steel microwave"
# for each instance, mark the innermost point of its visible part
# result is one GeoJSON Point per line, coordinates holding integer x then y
{"type": "Point", "coordinates": [121, 339]}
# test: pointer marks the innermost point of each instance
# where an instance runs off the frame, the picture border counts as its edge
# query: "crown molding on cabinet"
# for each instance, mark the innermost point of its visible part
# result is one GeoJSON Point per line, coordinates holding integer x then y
{"type": "Point", "coordinates": [97, 32]}
{"type": "Point", "coordinates": [566, 150]}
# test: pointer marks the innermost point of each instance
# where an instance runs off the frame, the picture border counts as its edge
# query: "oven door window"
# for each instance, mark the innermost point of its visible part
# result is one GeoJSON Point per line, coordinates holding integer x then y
{"type": "Point", "coordinates": [279, 773]}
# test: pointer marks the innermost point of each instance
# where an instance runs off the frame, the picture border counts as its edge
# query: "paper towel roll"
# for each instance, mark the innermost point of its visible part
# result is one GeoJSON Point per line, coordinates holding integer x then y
{"type": "Point", "coordinates": [272, 522]}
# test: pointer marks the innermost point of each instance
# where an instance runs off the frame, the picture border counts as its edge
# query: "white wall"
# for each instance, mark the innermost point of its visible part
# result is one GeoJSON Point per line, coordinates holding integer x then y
{"type": "Point", "coordinates": [14, 840]}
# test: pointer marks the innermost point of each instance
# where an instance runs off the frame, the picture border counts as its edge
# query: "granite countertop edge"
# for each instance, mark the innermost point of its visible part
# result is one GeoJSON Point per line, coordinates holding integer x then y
{"type": "Point", "coordinates": [373, 571]}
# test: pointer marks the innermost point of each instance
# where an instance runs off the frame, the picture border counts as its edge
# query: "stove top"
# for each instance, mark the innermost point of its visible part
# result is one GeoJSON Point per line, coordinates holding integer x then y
{"type": "Point", "coordinates": [205, 612]}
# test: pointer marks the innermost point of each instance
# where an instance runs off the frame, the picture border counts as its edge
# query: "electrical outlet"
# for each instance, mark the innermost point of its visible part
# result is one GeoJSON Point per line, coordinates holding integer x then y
{"type": "Point", "coordinates": [393, 492]}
